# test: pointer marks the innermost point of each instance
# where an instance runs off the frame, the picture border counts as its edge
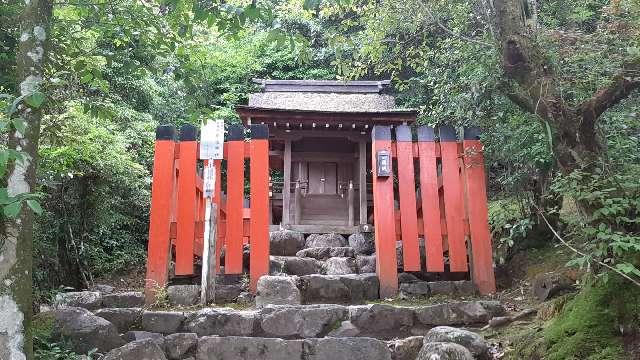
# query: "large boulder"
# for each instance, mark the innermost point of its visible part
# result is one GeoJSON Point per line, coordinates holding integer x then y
{"type": "Point", "coordinates": [475, 343]}
{"type": "Point", "coordinates": [127, 299]}
{"type": "Point", "coordinates": [131, 336]}
{"type": "Point", "coordinates": [277, 290]}
{"type": "Point", "coordinates": [363, 243]}
{"type": "Point", "coordinates": [138, 350]}
{"type": "Point", "coordinates": [344, 289]}
{"type": "Point", "coordinates": [164, 322]}
{"type": "Point", "coordinates": [323, 253]}
{"type": "Point", "coordinates": [248, 348]}
{"type": "Point", "coordinates": [84, 330]}
{"type": "Point", "coordinates": [366, 264]}
{"type": "Point", "coordinates": [346, 329]}
{"type": "Point", "coordinates": [180, 345]}
{"type": "Point", "coordinates": [325, 240]}
{"type": "Point", "coordinates": [307, 321]}
{"type": "Point", "coordinates": [285, 242]}
{"type": "Point", "coordinates": [444, 351]}
{"type": "Point", "coordinates": [183, 295]}
{"type": "Point", "coordinates": [123, 318]}
{"type": "Point", "coordinates": [405, 349]}
{"type": "Point", "coordinates": [355, 348]}
{"type": "Point", "coordinates": [189, 295]}
{"type": "Point", "coordinates": [89, 300]}
{"type": "Point", "coordinates": [414, 289]}
{"type": "Point", "coordinates": [293, 265]}
{"type": "Point", "coordinates": [382, 321]}
{"type": "Point", "coordinates": [340, 266]}
{"type": "Point", "coordinates": [404, 277]}
{"type": "Point", "coordinates": [458, 313]}
{"type": "Point", "coordinates": [222, 322]}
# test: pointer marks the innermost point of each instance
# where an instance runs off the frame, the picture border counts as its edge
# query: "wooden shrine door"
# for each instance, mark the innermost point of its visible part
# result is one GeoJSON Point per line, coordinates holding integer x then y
{"type": "Point", "coordinates": [323, 178]}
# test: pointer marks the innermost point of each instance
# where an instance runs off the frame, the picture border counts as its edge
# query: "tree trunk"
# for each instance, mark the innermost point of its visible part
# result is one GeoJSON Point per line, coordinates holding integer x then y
{"type": "Point", "coordinates": [575, 141]}
{"type": "Point", "coordinates": [15, 267]}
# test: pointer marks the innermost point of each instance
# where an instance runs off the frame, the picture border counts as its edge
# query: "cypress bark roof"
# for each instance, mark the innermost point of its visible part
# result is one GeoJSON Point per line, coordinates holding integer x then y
{"type": "Point", "coordinates": [323, 95]}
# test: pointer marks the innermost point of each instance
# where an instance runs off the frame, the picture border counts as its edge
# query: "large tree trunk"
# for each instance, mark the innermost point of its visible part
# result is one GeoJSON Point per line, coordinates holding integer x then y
{"type": "Point", "coordinates": [15, 264]}
{"type": "Point", "coordinates": [576, 143]}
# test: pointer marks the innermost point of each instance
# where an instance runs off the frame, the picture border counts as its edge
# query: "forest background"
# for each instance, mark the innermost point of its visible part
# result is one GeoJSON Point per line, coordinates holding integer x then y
{"type": "Point", "coordinates": [561, 128]}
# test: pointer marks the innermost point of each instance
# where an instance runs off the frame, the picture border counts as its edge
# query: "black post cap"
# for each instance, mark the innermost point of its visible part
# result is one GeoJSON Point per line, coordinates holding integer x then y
{"type": "Point", "coordinates": [403, 133]}
{"type": "Point", "coordinates": [235, 132]}
{"type": "Point", "coordinates": [259, 131]}
{"type": "Point", "coordinates": [426, 133]}
{"type": "Point", "coordinates": [166, 132]}
{"type": "Point", "coordinates": [472, 133]}
{"type": "Point", "coordinates": [188, 132]}
{"type": "Point", "coordinates": [381, 132]}
{"type": "Point", "coordinates": [447, 133]}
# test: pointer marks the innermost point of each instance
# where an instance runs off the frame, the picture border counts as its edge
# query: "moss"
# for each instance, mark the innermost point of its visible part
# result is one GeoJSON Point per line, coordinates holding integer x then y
{"type": "Point", "coordinates": [42, 326]}
{"type": "Point", "coordinates": [586, 328]}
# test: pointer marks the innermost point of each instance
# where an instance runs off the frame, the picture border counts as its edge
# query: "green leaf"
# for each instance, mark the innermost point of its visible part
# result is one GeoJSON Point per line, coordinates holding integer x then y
{"type": "Point", "coordinates": [12, 210]}
{"type": "Point", "coordinates": [35, 100]}
{"type": "Point", "coordinates": [86, 78]}
{"type": "Point", "coordinates": [35, 206]}
{"type": "Point", "coordinates": [19, 124]}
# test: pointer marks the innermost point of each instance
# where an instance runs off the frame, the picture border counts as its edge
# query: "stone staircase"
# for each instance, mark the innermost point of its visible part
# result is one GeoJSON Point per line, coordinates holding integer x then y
{"type": "Point", "coordinates": [320, 302]}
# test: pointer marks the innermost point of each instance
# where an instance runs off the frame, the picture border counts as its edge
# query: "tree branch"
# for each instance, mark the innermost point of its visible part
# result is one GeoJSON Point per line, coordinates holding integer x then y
{"type": "Point", "coordinates": [519, 98]}
{"type": "Point", "coordinates": [621, 86]}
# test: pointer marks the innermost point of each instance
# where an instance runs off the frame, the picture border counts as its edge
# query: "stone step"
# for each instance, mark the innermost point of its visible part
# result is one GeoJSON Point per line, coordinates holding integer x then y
{"type": "Point", "coordinates": [289, 243]}
{"type": "Point", "coordinates": [314, 289]}
{"type": "Point", "coordinates": [381, 321]}
{"type": "Point", "coordinates": [335, 265]}
{"type": "Point", "coordinates": [280, 332]}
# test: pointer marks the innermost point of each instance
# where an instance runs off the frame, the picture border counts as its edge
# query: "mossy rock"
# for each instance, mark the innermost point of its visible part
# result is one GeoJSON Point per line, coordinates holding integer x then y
{"type": "Point", "coordinates": [587, 326]}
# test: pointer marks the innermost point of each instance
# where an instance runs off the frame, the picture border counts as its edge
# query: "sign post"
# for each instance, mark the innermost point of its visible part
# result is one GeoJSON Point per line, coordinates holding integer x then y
{"type": "Point", "coordinates": [211, 148]}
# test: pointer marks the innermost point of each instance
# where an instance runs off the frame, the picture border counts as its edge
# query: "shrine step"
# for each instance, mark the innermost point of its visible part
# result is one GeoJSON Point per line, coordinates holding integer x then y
{"type": "Point", "coordinates": [380, 321]}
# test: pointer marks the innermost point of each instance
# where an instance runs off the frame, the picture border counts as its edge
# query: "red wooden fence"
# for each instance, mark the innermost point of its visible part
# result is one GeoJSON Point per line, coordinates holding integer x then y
{"type": "Point", "coordinates": [452, 211]}
{"type": "Point", "coordinates": [177, 205]}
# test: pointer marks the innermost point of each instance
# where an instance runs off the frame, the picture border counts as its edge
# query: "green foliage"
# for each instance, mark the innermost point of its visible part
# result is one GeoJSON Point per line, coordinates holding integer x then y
{"type": "Point", "coordinates": [46, 347]}
{"type": "Point", "coordinates": [510, 225]}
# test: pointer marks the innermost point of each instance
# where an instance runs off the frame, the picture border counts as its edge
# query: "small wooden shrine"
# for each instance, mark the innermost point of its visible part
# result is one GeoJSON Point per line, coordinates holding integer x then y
{"type": "Point", "coordinates": [320, 149]}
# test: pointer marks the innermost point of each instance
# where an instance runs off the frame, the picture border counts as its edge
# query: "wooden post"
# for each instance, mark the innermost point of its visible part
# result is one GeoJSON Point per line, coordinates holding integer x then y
{"type": "Point", "coordinates": [186, 227]}
{"type": "Point", "coordinates": [235, 200]}
{"type": "Point", "coordinates": [350, 198]}
{"type": "Point", "coordinates": [209, 256]}
{"type": "Point", "coordinates": [407, 192]}
{"type": "Point", "coordinates": [481, 250]}
{"type": "Point", "coordinates": [383, 213]}
{"type": "Point", "coordinates": [362, 181]}
{"type": "Point", "coordinates": [259, 223]}
{"type": "Point", "coordinates": [286, 187]}
{"type": "Point", "coordinates": [162, 189]}
{"type": "Point", "coordinates": [453, 198]}
{"type": "Point", "coordinates": [298, 203]}
{"type": "Point", "coordinates": [430, 199]}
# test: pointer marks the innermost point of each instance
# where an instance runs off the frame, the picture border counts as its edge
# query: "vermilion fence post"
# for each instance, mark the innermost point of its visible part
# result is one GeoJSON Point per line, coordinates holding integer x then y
{"type": "Point", "coordinates": [481, 250]}
{"type": "Point", "coordinates": [235, 200]}
{"type": "Point", "coordinates": [383, 214]}
{"type": "Point", "coordinates": [407, 194]}
{"type": "Point", "coordinates": [259, 202]}
{"type": "Point", "coordinates": [162, 188]}
{"type": "Point", "coordinates": [430, 199]}
{"type": "Point", "coordinates": [453, 199]}
{"type": "Point", "coordinates": [186, 219]}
